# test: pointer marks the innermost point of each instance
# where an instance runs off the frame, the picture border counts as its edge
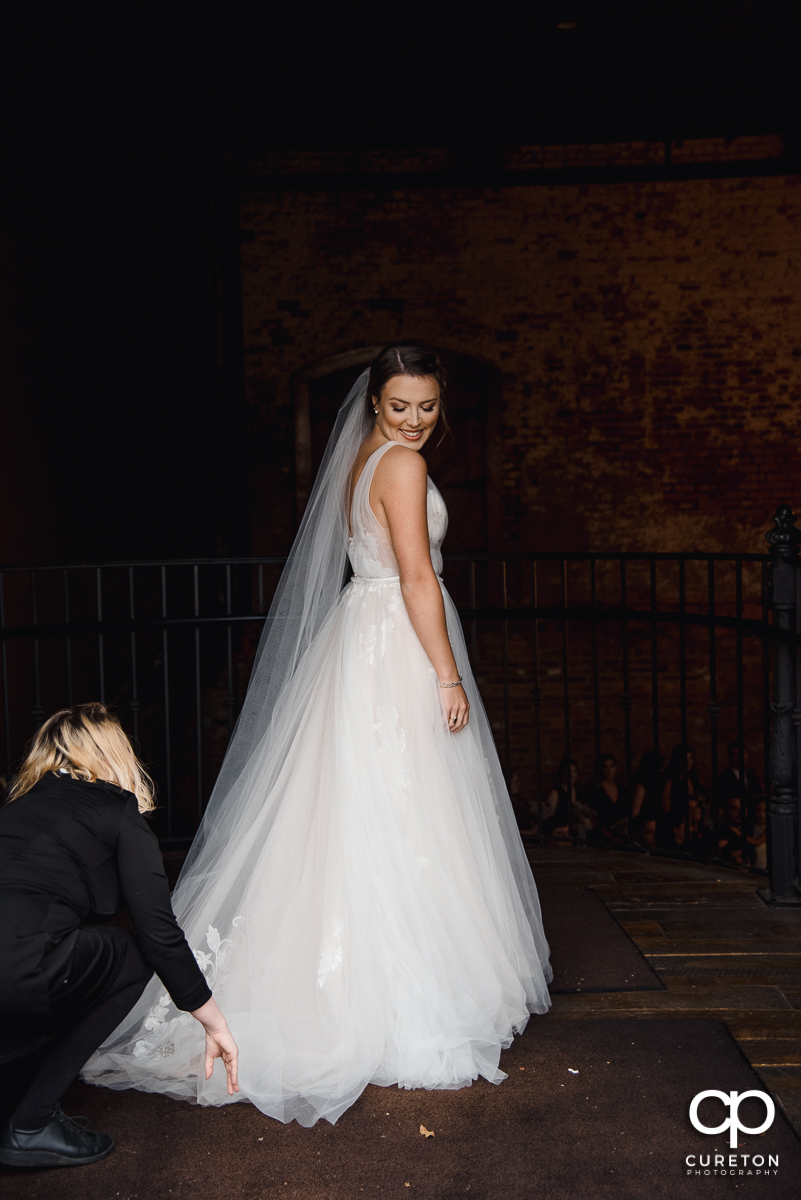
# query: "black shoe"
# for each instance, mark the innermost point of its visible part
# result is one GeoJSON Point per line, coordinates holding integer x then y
{"type": "Point", "coordinates": [61, 1143]}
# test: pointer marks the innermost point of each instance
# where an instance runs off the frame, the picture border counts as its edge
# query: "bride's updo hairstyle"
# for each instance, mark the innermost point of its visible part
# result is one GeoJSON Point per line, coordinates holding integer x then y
{"type": "Point", "coordinates": [406, 358]}
{"type": "Point", "coordinates": [88, 743]}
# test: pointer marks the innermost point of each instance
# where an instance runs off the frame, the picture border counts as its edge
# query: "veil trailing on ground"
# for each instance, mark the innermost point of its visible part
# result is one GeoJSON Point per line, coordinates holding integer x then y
{"type": "Point", "coordinates": [307, 592]}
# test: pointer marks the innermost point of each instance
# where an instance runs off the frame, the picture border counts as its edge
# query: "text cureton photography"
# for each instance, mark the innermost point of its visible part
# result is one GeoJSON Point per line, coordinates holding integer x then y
{"type": "Point", "coordinates": [732, 1164]}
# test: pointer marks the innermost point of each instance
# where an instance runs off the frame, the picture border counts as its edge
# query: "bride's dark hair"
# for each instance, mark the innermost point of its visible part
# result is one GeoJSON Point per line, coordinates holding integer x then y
{"type": "Point", "coordinates": [406, 358]}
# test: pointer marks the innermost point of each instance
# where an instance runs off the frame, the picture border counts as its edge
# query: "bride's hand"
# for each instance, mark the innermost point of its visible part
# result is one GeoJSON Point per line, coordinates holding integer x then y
{"type": "Point", "coordinates": [455, 707]}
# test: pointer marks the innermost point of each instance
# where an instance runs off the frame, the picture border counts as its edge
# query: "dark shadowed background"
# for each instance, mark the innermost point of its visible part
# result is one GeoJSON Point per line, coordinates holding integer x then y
{"type": "Point", "coordinates": [367, 170]}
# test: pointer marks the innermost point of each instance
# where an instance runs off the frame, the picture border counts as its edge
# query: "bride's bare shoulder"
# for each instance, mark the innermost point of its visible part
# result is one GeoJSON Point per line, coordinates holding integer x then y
{"type": "Point", "coordinates": [401, 466]}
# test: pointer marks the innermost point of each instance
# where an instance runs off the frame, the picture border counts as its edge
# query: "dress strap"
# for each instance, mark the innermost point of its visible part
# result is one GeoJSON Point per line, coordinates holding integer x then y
{"type": "Point", "coordinates": [369, 467]}
{"type": "Point", "coordinates": [360, 501]}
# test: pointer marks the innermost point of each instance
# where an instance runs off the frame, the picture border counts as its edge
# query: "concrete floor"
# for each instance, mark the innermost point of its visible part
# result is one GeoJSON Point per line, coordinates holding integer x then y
{"type": "Point", "coordinates": [718, 948]}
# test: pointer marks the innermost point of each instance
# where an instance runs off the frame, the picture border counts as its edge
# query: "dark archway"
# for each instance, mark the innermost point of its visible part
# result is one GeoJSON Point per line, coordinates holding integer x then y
{"type": "Point", "coordinates": [465, 466]}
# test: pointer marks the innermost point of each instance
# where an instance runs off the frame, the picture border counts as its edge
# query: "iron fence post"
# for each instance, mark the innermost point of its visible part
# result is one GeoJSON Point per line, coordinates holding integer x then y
{"type": "Point", "coordinates": [783, 807]}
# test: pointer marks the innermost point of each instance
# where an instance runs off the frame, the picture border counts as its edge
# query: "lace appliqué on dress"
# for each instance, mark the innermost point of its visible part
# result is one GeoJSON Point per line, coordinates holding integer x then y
{"type": "Point", "coordinates": [156, 1020]}
{"type": "Point", "coordinates": [331, 956]}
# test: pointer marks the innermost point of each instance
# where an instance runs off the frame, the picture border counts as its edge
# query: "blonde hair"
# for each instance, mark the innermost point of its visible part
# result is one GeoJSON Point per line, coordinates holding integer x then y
{"type": "Point", "coordinates": [88, 743]}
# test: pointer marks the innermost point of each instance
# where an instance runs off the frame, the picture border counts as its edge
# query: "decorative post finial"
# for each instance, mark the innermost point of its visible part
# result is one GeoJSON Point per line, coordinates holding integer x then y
{"type": "Point", "coordinates": [784, 539]}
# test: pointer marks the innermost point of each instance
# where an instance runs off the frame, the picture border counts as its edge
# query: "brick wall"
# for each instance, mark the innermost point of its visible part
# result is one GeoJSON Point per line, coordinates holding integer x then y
{"type": "Point", "coordinates": [647, 333]}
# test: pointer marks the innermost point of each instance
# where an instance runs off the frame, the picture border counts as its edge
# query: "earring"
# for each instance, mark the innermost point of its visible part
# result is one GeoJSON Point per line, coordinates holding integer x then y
{"type": "Point", "coordinates": [375, 410]}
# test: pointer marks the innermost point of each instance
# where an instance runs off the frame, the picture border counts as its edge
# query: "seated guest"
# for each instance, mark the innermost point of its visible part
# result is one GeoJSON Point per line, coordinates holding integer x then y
{"type": "Point", "coordinates": [646, 800]}
{"type": "Point", "coordinates": [757, 838]}
{"type": "Point", "coordinates": [731, 841]}
{"type": "Point", "coordinates": [75, 850]}
{"type": "Point", "coordinates": [520, 808]}
{"type": "Point", "coordinates": [681, 786]}
{"type": "Point", "coordinates": [736, 784]}
{"type": "Point", "coordinates": [610, 801]}
{"type": "Point", "coordinates": [699, 842]}
{"type": "Point", "coordinates": [559, 803]}
{"type": "Point", "coordinates": [585, 820]}
{"type": "Point", "coordinates": [647, 835]}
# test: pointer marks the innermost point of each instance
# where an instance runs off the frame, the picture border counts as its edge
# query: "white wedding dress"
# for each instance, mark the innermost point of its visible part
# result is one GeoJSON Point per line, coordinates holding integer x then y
{"type": "Point", "coordinates": [387, 928]}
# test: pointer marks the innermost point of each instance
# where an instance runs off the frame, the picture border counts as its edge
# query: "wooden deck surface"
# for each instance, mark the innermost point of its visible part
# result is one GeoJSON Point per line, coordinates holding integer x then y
{"type": "Point", "coordinates": [719, 949]}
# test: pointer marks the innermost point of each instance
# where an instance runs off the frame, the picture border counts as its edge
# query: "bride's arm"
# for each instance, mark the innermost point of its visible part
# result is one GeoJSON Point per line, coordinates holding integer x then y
{"type": "Point", "coordinates": [399, 489]}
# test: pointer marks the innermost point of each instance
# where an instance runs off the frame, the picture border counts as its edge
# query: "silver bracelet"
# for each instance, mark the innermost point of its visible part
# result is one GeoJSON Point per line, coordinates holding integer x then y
{"type": "Point", "coordinates": [459, 680]}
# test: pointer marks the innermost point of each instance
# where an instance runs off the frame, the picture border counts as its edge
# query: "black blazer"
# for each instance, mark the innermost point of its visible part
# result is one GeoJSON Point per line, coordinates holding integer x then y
{"type": "Point", "coordinates": [72, 854]}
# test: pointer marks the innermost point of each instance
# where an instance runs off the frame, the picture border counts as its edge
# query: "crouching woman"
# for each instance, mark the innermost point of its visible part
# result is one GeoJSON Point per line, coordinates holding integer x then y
{"type": "Point", "coordinates": [74, 851]}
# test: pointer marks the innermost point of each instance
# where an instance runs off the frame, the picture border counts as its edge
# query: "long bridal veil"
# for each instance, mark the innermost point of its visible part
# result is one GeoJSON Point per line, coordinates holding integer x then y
{"type": "Point", "coordinates": [216, 899]}
{"type": "Point", "coordinates": [307, 592]}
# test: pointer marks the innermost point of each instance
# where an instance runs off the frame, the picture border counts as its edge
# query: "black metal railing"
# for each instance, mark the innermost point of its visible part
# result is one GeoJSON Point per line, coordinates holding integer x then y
{"type": "Point", "coordinates": [576, 656]}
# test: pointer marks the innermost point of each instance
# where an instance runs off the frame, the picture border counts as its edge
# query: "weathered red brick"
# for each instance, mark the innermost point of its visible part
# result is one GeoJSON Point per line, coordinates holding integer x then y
{"type": "Point", "coordinates": [647, 334]}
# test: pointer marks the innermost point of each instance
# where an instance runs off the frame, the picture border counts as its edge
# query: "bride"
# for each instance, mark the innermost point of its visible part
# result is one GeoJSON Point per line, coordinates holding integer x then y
{"type": "Point", "coordinates": [357, 895]}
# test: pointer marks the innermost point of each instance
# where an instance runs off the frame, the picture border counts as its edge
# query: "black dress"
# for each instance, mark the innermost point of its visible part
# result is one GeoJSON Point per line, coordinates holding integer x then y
{"type": "Point", "coordinates": [560, 818]}
{"type": "Point", "coordinates": [612, 815]}
{"type": "Point", "coordinates": [730, 787]}
{"type": "Point", "coordinates": [72, 855]}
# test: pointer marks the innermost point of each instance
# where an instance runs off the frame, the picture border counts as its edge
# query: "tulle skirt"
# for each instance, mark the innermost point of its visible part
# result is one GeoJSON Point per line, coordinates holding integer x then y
{"type": "Point", "coordinates": [377, 921]}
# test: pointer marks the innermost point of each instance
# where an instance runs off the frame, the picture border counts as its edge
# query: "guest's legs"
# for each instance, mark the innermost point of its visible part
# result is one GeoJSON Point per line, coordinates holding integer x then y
{"type": "Point", "coordinates": [65, 1056]}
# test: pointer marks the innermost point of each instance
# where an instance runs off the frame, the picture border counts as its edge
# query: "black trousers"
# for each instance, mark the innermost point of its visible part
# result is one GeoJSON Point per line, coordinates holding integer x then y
{"type": "Point", "coordinates": [31, 1087]}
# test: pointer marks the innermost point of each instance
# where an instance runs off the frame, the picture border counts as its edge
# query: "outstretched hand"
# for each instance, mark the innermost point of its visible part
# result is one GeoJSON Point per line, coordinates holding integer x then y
{"type": "Point", "coordinates": [219, 1043]}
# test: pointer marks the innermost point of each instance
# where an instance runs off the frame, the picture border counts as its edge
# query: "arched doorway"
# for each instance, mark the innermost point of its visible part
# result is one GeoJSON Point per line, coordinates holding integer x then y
{"type": "Point", "coordinates": [464, 467]}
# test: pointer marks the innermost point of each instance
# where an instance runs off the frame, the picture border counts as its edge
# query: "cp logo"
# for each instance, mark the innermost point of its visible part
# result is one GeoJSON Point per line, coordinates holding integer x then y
{"type": "Point", "coordinates": [732, 1122]}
